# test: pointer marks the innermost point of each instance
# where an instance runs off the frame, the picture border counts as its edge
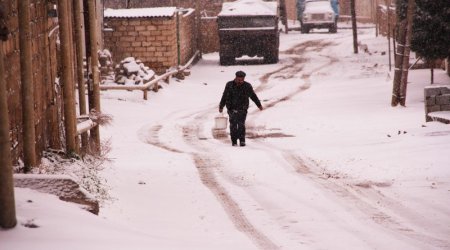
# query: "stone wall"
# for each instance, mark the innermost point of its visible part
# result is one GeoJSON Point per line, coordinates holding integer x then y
{"type": "Point", "coordinates": [153, 40]}
{"type": "Point", "coordinates": [437, 98]}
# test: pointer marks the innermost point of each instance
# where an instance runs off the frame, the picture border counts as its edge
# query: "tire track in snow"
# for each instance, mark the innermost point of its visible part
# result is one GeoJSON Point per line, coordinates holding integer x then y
{"type": "Point", "coordinates": [296, 67]}
{"type": "Point", "coordinates": [207, 166]}
{"type": "Point", "coordinates": [153, 139]}
{"type": "Point", "coordinates": [363, 195]}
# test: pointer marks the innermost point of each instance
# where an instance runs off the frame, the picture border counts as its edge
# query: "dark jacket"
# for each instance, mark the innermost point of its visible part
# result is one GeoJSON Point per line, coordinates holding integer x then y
{"type": "Point", "coordinates": [236, 97]}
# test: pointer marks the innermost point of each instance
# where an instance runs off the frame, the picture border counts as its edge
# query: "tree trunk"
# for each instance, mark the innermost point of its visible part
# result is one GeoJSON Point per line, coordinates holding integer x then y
{"type": "Point", "coordinates": [26, 78]}
{"type": "Point", "coordinates": [283, 14]}
{"type": "Point", "coordinates": [198, 25]}
{"type": "Point", "coordinates": [432, 73]}
{"type": "Point", "coordinates": [398, 61]}
{"type": "Point", "coordinates": [67, 79]}
{"type": "Point", "coordinates": [79, 31]}
{"type": "Point", "coordinates": [447, 64]}
{"type": "Point", "coordinates": [407, 50]}
{"type": "Point", "coordinates": [389, 33]}
{"type": "Point", "coordinates": [354, 28]}
{"type": "Point", "coordinates": [7, 203]}
{"type": "Point", "coordinates": [95, 88]}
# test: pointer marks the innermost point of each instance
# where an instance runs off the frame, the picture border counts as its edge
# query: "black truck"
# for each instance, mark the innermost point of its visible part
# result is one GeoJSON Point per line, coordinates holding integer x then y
{"type": "Point", "coordinates": [248, 28]}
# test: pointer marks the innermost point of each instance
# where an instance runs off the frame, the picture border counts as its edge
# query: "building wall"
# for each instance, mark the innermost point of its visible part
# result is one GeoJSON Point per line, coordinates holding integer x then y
{"type": "Point", "coordinates": [365, 9]}
{"type": "Point", "coordinates": [152, 40]}
{"type": "Point", "coordinates": [209, 35]}
{"type": "Point", "coordinates": [291, 9]}
{"type": "Point", "coordinates": [209, 5]}
{"type": "Point", "coordinates": [386, 20]}
{"type": "Point", "coordinates": [46, 93]}
{"type": "Point", "coordinates": [188, 39]}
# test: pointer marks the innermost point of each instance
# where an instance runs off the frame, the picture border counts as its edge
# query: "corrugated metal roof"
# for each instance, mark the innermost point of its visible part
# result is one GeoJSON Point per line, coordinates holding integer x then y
{"type": "Point", "coordinates": [140, 12]}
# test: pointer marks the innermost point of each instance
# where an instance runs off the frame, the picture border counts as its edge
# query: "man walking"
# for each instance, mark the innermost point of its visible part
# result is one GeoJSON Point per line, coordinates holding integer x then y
{"type": "Point", "coordinates": [235, 98]}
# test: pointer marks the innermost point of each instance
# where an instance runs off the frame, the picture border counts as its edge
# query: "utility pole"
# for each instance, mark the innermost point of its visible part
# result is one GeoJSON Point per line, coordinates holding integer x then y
{"type": "Point", "coordinates": [95, 86]}
{"type": "Point", "coordinates": [405, 64]}
{"type": "Point", "coordinates": [7, 202]}
{"type": "Point", "coordinates": [354, 28]}
{"type": "Point", "coordinates": [198, 18]}
{"type": "Point", "coordinates": [283, 14]}
{"type": "Point", "coordinates": [67, 79]}
{"type": "Point", "coordinates": [79, 31]}
{"type": "Point", "coordinates": [389, 32]}
{"type": "Point", "coordinates": [26, 79]}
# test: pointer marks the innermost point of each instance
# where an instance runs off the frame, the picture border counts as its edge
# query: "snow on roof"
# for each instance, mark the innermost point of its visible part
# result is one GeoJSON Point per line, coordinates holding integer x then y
{"type": "Point", "coordinates": [249, 8]}
{"type": "Point", "coordinates": [140, 12]}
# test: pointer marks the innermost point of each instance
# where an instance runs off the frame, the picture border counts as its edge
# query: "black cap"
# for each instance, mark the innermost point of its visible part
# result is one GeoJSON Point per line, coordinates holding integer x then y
{"type": "Point", "coordinates": [240, 73]}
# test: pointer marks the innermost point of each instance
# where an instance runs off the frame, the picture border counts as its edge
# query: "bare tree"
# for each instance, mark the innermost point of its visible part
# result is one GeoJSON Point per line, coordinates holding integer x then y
{"type": "Point", "coordinates": [401, 40]}
{"type": "Point", "coordinates": [67, 78]}
{"type": "Point", "coordinates": [354, 28]}
{"type": "Point", "coordinates": [79, 29]}
{"type": "Point", "coordinates": [284, 16]}
{"type": "Point", "coordinates": [26, 78]}
{"type": "Point", "coordinates": [94, 89]}
{"type": "Point", "coordinates": [407, 50]}
{"type": "Point", "coordinates": [7, 203]}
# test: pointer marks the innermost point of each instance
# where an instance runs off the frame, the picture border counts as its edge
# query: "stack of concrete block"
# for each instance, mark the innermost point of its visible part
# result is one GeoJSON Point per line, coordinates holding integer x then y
{"type": "Point", "coordinates": [437, 103]}
{"type": "Point", "coordinates": [132, 72]}
{"type": "Point", "coordinates": [106, 64]}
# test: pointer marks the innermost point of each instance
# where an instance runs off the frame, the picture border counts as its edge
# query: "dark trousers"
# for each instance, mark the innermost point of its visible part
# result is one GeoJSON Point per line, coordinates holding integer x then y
{"type": "Point", "coordinates": [237, 125]}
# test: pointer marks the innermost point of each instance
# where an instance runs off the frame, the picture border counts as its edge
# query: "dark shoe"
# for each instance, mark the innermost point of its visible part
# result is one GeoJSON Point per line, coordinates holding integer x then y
{"type": "Point", "coordinates": [234, 144]}
{"type": "Point", "coordinates": [242, 143]}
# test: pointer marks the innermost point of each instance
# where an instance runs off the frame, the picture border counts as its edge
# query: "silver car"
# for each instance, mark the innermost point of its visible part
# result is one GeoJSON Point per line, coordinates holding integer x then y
{"type": "Point", "coordinates": [318, 14]}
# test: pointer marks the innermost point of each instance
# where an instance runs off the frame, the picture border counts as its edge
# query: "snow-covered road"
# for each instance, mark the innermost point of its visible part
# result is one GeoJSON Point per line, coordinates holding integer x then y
{"type": "Point", "coordinates": [271, 193]}
{"type": "Point", "coordinates": [329, 164]}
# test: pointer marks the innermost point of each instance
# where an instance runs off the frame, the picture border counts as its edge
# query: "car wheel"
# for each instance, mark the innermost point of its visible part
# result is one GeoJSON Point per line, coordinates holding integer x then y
{"type": "Point", "coordinates": [271, 58]}
{"type": "Point", "coordinates": [333, 28]}
{"type": "Point", "coordinates": [226, 60]}
{"type": "Point", "coordinates": [304, 30]}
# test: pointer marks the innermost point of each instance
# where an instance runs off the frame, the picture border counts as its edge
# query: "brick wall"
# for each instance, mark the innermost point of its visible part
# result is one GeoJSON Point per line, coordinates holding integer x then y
{"type": "Point", "coordinates": [291, 9]}
{"type": "Point", "coordinates": [386, 20]}
{"type": "Point", "coordinates": [209, 35]}
{"type": "Point", "coordinates": [188, 39]}
{"type": "Point", "coordinates": [47, 95]}
{"type": "Point", "coordinates": [153, 40]}
{"type": "Point", "coordinates": [437, 98]}
{"type": "Point", "coordinates": [365, 9]}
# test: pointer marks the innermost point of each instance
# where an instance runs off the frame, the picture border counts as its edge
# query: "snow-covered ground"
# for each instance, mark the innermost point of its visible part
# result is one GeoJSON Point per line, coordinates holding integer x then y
{"type": "Point", "coordinates": [329, 163]}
